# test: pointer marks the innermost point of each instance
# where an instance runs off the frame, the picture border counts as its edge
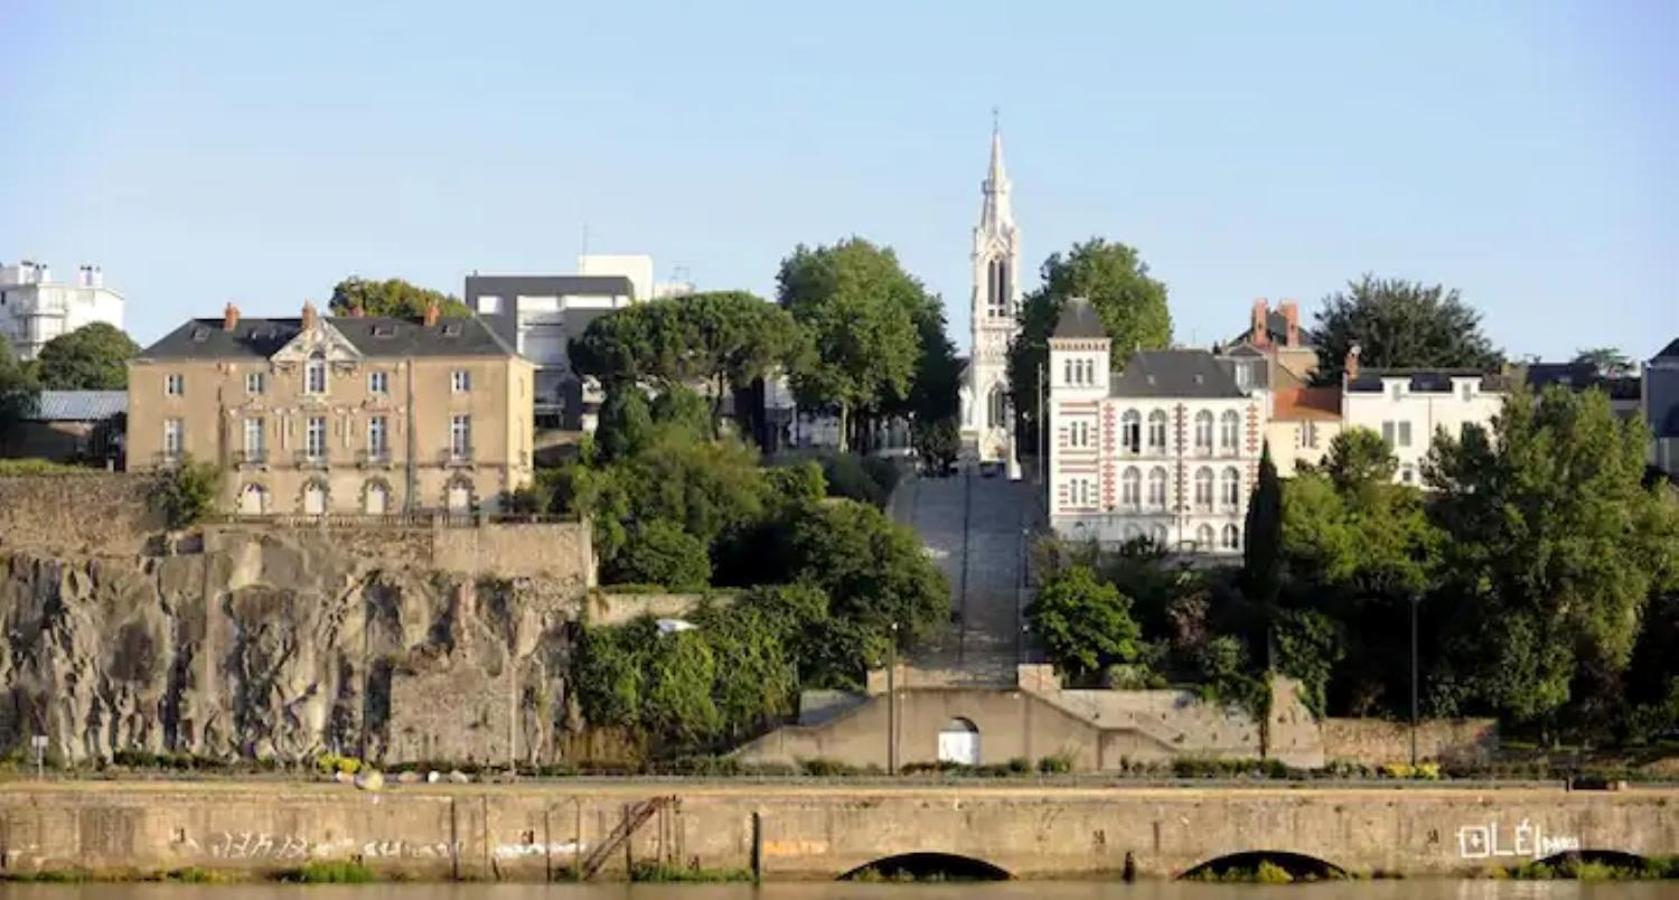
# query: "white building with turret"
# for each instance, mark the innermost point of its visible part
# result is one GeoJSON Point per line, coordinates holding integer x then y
{"type": "Point", "coordinates": [34, 308]}
{"type": "Point", "coordinates": [987, 415]}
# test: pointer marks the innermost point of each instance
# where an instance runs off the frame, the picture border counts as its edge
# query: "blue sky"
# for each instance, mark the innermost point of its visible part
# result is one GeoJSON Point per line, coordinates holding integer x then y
{"type": "Point", "coordinates": [1524, 152]}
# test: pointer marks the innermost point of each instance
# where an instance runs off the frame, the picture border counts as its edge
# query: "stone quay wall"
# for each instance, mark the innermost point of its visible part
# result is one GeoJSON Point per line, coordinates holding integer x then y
{"type": "Point", "coordinates": [529, 832]}
{"type": "Point", "coordinates": [1376, 742]}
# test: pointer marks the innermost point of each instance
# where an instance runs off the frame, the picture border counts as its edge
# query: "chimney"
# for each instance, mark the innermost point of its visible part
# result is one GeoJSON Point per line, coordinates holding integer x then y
{"type": "Point", "coordinates": [230, 317]}
{"type": "Point", "coordinates": [1351, 362]}
{"type": "Point", "coordinates": [1260, 334]}
{"type": "Point", "coordinates": [432, 313]}
{"type": "Point", "coordinates": [1291, 312]}
{"type": "Point", "coordinates": [310, 316]}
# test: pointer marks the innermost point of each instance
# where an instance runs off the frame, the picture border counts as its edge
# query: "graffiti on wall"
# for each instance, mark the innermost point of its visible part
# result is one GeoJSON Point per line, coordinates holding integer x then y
{"type": "Point", "coordinates": [260, 845]}
{"type": "Point", "coordinates": [1524, 840]}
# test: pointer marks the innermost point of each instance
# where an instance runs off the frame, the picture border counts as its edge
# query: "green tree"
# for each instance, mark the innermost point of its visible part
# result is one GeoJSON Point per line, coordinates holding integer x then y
{"type": "Point", "coordinates": [1400, 324]}
{"type": "Point", "coordinates": [609, 673]}
{"type": "Point", "coordinates": [393, 298]}
{"type": "Point", "coordinates": [676, 699]}
{"type": "Point", "coordinates": [1608, 361]}
{"type": "Point", "coordinates": [757, 681]}
{"type": "Point", "coordinates": [1358, 457]}
{"type": "Point", "coordinates": [18, 393]}
{"type": "Point", "coordinates": [660, 552]}
{"type": "Point", "coordinates": [624, 426]}
{"type": "Point", "coordinates": [186, 493]}
{"type": "Point", "coordinates": [94, 357]}
{"type": "Point", "coordinates": [1084, 625]}
{"type": "Point", "coordinates": [937, 445]}
{"type": "Point", "coordinates": [872, 569]}
{"type": "Point", "coordinates": [1552, 548]}
{"type": "Point", "coordinates": [1132, 305]}
{"type": "Point", "coordinates": [723, 340]}
{"type": "Point", "coordinates": [864, 315]}
{"type": "Point", "coordinates": [1262, 573]}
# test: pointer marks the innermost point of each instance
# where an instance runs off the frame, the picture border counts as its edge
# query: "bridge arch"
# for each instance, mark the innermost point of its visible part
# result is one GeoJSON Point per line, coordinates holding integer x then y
{"type": "Point", "coordinates": [927, 865]}
{"type": "Point", "coordinates": [1573, 859]}
{"type": "Point", "coordinates": [1299, 866]}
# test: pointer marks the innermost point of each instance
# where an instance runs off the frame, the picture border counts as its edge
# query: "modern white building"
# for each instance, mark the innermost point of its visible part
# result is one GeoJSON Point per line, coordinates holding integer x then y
{"type": "Point", "coordinates": [1409, 407]}
{"type": "Point", "coordinates": [987, 420]}
{"type": "Point", "coordinates": [1166, 449]}
{"type": "Point", "coordinates": [34, 308]}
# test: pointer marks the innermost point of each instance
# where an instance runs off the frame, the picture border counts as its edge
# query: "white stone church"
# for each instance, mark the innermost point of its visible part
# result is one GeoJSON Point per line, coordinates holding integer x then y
{"type": "Point", "coordinates": [987, 415]}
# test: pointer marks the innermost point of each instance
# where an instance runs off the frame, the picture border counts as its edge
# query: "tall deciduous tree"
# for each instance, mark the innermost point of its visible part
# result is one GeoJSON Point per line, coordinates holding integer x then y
{"type": "Point", "coordinates": [1132, 305]}
{"type": "Point", "coordinates": [392, 297]}
{"type": "Point", "coordinates": [94, 357]}
{"type": "Point", "coordinates": [1083, 623]}
{"type": "Point", "coordinates": [1554, 545]}
{"type": "Point", "coordinates": [873, 570]}
{"type": "Point", "coordinates": [865, 316]}
{"type": "Point", "coordinates": [1400, 324]}
{"type": "Point", "coordinates": [724, 340]}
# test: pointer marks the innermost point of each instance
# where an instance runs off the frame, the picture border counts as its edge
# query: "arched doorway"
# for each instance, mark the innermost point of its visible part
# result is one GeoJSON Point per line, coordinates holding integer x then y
{"type": "Point", "coordinates": [458, 499]}
{"type": "Point", "coordinates": [959, 742]}
{"type": "Point", "coordinates": [376, 499]}
{"type": "Point", "coordinates": [253, 500]}
{"type": "Point", "coordinates": [314, 499]}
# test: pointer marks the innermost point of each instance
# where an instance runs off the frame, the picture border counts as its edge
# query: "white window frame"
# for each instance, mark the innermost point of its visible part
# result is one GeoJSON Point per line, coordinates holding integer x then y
{"type": "Point", "coordinates": [313, 426]}
{"type": "Point", "coordinates": [256, 383]}
{"type": "Point", "coordinates": [174, 438]}
{"type": "Point", "coordinates": [253, 438]}
{"type": "Point", "coordinates": [1158, 431]}
{"type": "Point", "coordinates": [1204, 488]}
{"type": "Point", "coordinates": [1230, 431]}
{"type": "Point", "coordinates": [1131, 488]}
{"type": "Point", "coordinates": [379, 382]}
{"type": "Point", "coordinates": [378, 437]}
{"type": "Point", "coordinates": [175, 384]}
{"type": "Point", "coordinates": [1204, 427]}
{"type": "Point", "coordinates": [1157, 488]}
{"type": "Point", "coordinates": [460, 436]}
{"type": "Point", "coordinates": [1230, 488]}
{"type": "Point", "coordinates": [460, 381]}
{"type": "Point", "coordinates": [315, 380]}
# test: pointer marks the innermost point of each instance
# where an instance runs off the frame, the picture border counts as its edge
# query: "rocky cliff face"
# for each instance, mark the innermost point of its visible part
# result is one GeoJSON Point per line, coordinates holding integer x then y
{"type": "Point", "coordinates": [279, 645]}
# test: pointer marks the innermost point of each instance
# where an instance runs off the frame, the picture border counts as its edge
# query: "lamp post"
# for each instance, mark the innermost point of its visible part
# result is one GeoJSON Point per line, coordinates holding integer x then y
{"type": "Point", "coordinates": [892, 703]}
{"type": "Point", "coordinates": [1416, 600]}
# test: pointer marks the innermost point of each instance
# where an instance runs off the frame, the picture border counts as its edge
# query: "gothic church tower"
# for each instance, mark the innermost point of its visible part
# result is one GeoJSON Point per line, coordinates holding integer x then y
{"type": "Point", "coordinates": [987, 420]}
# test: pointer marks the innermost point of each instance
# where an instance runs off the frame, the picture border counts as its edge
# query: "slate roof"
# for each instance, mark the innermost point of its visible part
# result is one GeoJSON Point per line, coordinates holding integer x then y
{"type": "Point", "coordinates": [1174, 373]}
{"type": "Point", "coordinates": [1671, 351]}
{"type": "Point", "coordinates": [371, 336]}
{"type": "Point", "coordinates": [1580, 375]}
{"type": "Point", "coordinates": [78, 406]}
{"type": "Point", "coordinates": [1079, 320]}
{"type": "Point", "coordinates": [1422, 381]}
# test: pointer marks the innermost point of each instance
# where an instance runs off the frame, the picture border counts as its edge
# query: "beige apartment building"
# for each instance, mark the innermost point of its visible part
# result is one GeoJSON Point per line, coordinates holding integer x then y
{"type": "Point", "coordinates": [319, 414]}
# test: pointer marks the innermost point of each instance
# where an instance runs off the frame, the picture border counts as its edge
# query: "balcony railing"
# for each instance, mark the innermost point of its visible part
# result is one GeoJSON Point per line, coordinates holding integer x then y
{"type": "Point", "coordinates": [456, 456]}
{"type": "Point", "coordinates": [256, 457]}
{"type": "Point", "coordinates": [309, 459]}
{"type": "Point", "coordinates": [375, 458]}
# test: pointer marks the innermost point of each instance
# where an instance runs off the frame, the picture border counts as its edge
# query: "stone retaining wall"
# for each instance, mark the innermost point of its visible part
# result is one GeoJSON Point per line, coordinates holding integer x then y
{"type": "Point", "coordinates": [1376, 742]}
{"type": "Point", "coordinates": [96, 514]}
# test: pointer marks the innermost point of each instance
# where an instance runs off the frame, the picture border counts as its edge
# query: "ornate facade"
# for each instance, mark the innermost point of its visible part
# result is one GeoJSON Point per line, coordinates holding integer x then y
{"type": "Point", "coordinates": [987, 415]}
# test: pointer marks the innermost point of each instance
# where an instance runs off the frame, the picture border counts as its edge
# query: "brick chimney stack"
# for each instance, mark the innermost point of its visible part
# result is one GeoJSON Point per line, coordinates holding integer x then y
{"type": "Point", "coordinates": [1351, 362]}
{"type": "Point", "coordinates": [1291, 313]}
{"type": "Point", "coordinates": [433, 312]}
{"type": "Point", "coordinates": [310, 316]}
{"type": "Point", "coordinates": [1260, 334]}
{"type": "Point", "coordinates": [230, 317]}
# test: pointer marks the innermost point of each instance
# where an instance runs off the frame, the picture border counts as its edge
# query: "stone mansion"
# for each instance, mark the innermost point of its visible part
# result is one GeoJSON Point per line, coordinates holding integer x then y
{"type": "Point", "coordinates": [319, 415]}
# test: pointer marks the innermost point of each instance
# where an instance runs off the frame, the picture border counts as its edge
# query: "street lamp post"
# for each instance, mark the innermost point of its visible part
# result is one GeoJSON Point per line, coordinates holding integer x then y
{"type": "Point", "coordinates": [892, 703]}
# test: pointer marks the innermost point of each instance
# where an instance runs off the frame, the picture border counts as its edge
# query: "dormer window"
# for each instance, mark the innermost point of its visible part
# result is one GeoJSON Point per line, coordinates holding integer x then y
{"type": "Point", "coordinates": [1398, 390]}
{"type": "Point", "coordinates": [314, 374]}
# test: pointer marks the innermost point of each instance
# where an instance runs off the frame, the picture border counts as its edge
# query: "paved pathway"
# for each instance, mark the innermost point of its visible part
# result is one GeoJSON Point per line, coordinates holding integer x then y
{"type": "Point", "coordinates": [975, 529]}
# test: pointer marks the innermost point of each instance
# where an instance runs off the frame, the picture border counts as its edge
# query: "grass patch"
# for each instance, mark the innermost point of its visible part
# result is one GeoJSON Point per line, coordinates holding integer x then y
{"type": "Point", "coordinates": [50, 876]}
{"type": "Point", "coordinates": [335, 872]}
{"type": "Point", "coordinates": [664, 873]}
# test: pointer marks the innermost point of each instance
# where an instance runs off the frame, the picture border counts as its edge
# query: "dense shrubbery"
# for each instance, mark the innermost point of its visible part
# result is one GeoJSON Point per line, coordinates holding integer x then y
{"type": "Point", "coordinates": [1545, 575]}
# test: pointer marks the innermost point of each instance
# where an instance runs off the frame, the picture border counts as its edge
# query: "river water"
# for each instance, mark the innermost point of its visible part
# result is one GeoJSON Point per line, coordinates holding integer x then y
{"type": "Point", "coordinates": [1415, 889]}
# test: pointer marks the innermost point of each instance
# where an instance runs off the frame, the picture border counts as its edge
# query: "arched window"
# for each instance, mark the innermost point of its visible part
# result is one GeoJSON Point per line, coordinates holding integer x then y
{"type": "Point", "coordinates": [253, 500]}
{"type": "Point", "coordinates": [1204, 433]}
{"type": "Point", "coordinates": [1067, 371]}
{"type": "Point", "coordinates": [315, 502]}
{"type": "Point", "coordinates": [376, 499]}
{"type": "Point", "coordinates": [1157, 488]}
{"type": "Point", "coordinates": [1157, 534]}
{"type": "Point", "coordinates": [1230, 488]}
{"type": "Point", "coordinates": [314, 373]}
{"type": "Point", "coordinates": [1131, 432]}
{"type": "Point", "coordinates": [1157, 432]}
{"type": "Point", "coordinates": [1203, 488]}
{"type": "Point", "coordinates": [1229, 431]}
{"type": "Point", "coordinates": [1232, 538]}
{"type": "Point", "coordinates": [1130, 488]}
{"type": "Point", "coordinates": [1204, 538]}
{"type": "Point", "coordinates": [997, 407]}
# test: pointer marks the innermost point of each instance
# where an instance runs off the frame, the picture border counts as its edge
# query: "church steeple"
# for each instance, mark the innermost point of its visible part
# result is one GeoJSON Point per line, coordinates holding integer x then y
{"type": "Point", "coordinates": [995, 215]}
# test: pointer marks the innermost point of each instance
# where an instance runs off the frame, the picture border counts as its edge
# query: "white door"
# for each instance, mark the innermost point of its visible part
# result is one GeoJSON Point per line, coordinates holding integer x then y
{"type": "Point", "coordinates": [378, 500]}
{"type": "Point", "coordinates": [253, 500]}
{"type": "Point", "coordinates": [460, 498]}
{"type": "Point", "coordinates": [959, 743]}
{"type": "Point", "coordinates": [314, 500]}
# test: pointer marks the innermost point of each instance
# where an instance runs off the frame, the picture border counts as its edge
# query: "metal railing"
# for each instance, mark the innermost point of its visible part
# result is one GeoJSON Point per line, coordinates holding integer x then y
{"type": "Point", "coordinates": [256, 457]}
{"type": "Point", "coordinates": [456, 457]}
{"type": "Point", "coordinates": [306, 459]}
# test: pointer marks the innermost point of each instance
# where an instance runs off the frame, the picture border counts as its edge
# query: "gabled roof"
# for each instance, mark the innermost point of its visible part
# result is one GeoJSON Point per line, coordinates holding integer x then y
{"type": "Point", "coordinates": [1174, 373]}
{"type": "Point", "coordinates": [78, 406]}
{"type": "Point", "coordinates": [1671, 351]}
{"type": "Point", "coordinates": [1079, 319]}
{"type": "Point", "coordinates": [371, 336]}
